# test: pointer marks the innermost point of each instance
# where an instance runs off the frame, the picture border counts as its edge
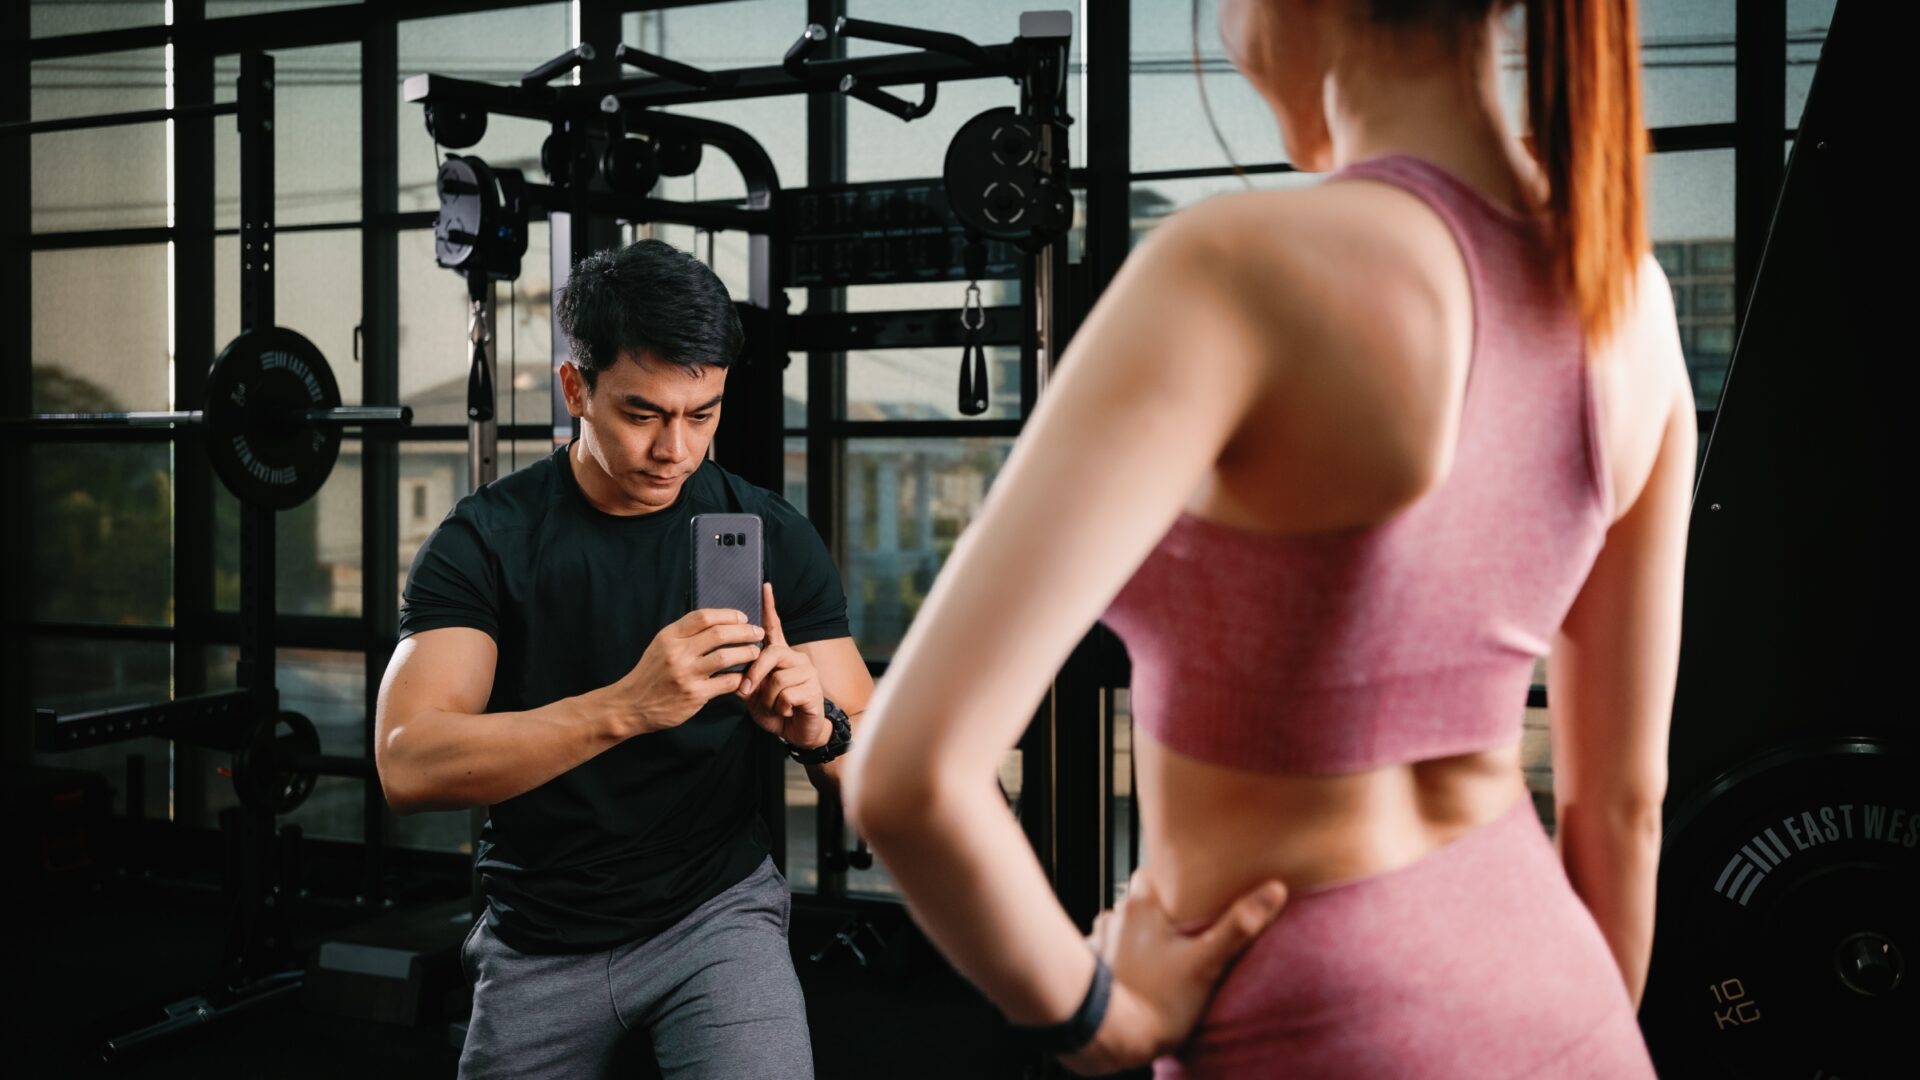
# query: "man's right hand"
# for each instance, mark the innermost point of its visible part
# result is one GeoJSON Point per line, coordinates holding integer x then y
{"type": "Point", "coordinates": [676, 676]}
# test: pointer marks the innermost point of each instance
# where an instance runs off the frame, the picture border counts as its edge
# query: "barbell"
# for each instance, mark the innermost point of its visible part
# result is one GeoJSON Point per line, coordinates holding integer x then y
{"type": "Point", "coordinates": [272, 418]}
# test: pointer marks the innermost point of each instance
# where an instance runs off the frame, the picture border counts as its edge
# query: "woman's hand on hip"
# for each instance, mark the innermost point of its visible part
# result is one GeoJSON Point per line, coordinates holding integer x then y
{"type": "Point", "coordinates": [1163, 978]}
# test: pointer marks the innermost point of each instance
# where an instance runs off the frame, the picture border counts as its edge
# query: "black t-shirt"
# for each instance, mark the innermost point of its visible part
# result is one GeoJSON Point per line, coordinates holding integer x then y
{"type": "Point", "coordinates": [623, 845]}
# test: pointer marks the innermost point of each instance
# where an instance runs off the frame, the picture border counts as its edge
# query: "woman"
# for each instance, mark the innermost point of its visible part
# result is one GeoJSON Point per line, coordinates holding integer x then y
{"type": "Point", "coordinates": [1339, 465]}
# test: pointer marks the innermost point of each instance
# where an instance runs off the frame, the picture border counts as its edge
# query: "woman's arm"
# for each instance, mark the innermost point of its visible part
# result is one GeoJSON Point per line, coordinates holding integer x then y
{"type": "Point", "coordinates": [1158, 379]}
{"type": "Point", "coordinates": [1610, 691]}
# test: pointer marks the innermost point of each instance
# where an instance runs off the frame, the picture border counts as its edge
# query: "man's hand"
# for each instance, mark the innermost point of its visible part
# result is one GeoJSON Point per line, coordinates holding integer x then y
{"type": "Point", "coordinates": [782, 689]}
{"type": "Point", "coordinates": [676, 675]}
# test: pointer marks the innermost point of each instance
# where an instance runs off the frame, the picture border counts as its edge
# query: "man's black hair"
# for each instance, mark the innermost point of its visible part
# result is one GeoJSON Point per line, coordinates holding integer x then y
{"type": "Point", "coordinates": [651, 298]}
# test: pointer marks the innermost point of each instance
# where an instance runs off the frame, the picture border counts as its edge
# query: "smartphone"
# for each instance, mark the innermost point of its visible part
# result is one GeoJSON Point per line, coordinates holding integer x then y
{"type": "Point", "coordinates": [728, 566]}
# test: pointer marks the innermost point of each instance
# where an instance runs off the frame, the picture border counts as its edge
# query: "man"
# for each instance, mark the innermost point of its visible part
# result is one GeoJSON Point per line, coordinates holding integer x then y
{"type": "Point", "coordinates": [549, 669]}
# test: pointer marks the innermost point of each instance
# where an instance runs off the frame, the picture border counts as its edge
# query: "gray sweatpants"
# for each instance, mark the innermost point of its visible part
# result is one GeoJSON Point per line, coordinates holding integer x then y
{"type": "Point", "coordinates": [715, 992]}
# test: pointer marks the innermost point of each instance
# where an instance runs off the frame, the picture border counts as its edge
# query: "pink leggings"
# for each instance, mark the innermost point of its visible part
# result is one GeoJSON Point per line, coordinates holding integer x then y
{"type": "Point", "coordinates": [1476, 961]}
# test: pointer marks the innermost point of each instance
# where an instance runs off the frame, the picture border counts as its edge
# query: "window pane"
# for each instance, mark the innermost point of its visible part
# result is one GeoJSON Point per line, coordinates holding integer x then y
{"type": "Point", "coordinates": [317, 546]}
{"type": "Point", "coordinates": [793, 390]}
{"type": "Point", "coordinates": [49, 18]}
{"type": "Point", "coordinates": [906, 501]}
{"type": "Point", "coordinates": [1807, 22]}
{"type": "Point", "coordinates": [519, 454]}
{"type": "Point", "coordinates": [924, 384]}
{"type": "Point", "coordinates": [491, 46]}
{"type": "Point", "coordinates": [220, 9]}
{"type": "Point", "coordinates": [435, 354]}
{"type": "Point", "coordinates": [1687, 49]}
{"type": "Point", "coordinates": [794, 472]}
{"type": "Point", "coordinates": [1713, 341]}
{"type": "Point", "coordinates": [745, 33]}
{"type": "Point", "coordinates": [1690, 217]}
{"type": "Point", "coordinates": [1153, 201]}
{"type": "Point", "coordinates": [1686, 61]}
{"type": "Point", "coordinates": [103, 530]}
{"type": "Point", "coordinates": [1715, 299]}
{"type": "Point", "coordinates": [803, 844]}
{"type": "Point", "coordinates": [104, 364]}
{"type": "Point", "coordinates": [929, 295]}
{"type": "Point", "coordinates": [99, 178]}
{"type": "Point", "coordinates": [433, 476]}
{"type": "Point", "coordinates": [316, 291]}
{"type": "Point", "coordinates": [1169, 125]}
{"type": "Point", "coordinates": [882, 147]}
{"type": "Point", "coordinates": [99, 83]}
{"type": "Point", "coordinates": [78, 676]}
{"type": "Point", "coordinates": [316, 142]}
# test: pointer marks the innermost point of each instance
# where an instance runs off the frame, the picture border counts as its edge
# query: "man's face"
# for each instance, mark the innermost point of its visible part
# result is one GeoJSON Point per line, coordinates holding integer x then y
{"type": "Point", "coordinates": [647, 423]}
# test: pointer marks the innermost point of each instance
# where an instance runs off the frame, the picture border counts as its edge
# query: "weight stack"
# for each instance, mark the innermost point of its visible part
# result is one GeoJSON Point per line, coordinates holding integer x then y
{"type": "Point", "coordinates": [397, 969]}
{"type": "Point", "coordinates": [1789, 886]}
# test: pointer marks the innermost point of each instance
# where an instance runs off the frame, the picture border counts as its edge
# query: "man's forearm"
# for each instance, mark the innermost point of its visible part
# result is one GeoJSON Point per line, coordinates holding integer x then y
{"type": "Point", "coordinates": [1612, 861]}
{"type": "Point", "coordinates": [451, 761]}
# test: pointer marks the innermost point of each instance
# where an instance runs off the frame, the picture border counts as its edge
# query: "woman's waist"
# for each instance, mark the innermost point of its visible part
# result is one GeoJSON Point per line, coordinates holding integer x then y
{"type": "Point", "coordinates": [1211, 833]}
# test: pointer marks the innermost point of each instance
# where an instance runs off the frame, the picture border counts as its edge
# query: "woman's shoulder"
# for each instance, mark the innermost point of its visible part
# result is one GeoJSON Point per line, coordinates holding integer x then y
{"type": "Point", "coordinates": [1328, 255]}
{"type": "Point", "coordinates": [1326, 232]}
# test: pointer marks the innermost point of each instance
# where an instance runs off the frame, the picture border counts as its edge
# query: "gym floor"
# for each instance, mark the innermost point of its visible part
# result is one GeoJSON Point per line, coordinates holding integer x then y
{"type": "Point", "coordinates": [89, 956]}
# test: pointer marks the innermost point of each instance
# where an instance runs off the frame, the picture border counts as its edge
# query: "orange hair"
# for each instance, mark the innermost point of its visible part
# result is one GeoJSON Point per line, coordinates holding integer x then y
{"type": "Point", "coordinates": [1583, 104]}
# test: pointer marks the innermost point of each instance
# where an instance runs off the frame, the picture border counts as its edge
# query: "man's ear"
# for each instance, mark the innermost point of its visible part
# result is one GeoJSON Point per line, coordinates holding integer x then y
{"type": "Point", "coordinates": [573, 386]}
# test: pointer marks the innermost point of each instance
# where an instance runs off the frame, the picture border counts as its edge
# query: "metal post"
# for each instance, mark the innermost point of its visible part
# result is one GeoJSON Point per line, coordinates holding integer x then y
{"type": "Point", "coordinates": [257, 570]}
{"type": "Point", "coordinates": [826, 164]}
{"type": "Point", "coordinates": [16, 388]}
{"type": "Point", "coordinates": [194, 349]}
{"type": "Point", "coordinates": [1109, 236]}
{"type": "Point", "coordinates": [380, 381]}
{"type": "Point", "coordinates": [251, 949]}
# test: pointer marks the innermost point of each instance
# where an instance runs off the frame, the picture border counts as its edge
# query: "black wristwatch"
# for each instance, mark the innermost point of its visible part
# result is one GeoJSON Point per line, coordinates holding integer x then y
{"type": "Point", "coordinates": [836, 743]}
{"type": "Point", "coordinates": [1075, 1032]}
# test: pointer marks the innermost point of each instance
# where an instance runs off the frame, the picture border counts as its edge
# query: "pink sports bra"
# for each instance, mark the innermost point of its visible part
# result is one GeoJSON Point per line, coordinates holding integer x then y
{"type": "Point", "coordinates": [1416, 637]}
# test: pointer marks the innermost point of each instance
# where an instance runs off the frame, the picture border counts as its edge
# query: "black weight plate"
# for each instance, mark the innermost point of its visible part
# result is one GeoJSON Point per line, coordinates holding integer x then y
{"type": "Point", "coordinates": [456, 126]}
{"type": "Point", "coordinates": [261, 447]}
{"type": "Point", "coordinates": [261, 777]}
{"type": "Point", "coordinates": [1789, 918]}
{"type": "Point", "coordinates": [678, 156]}
{"type": "Point", "coordinates": [991, 172]}
{"type": "Point", "coordinates": [464, 211]}
{"type": "Point", "coordinates": [630, 166]}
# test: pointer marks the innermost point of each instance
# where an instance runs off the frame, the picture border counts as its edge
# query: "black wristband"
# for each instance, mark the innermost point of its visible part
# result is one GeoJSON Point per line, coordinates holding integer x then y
{"type": "Point", "coordinates": [837, 743]}
{"type": "Point", "coordinates": [1078, 1030]}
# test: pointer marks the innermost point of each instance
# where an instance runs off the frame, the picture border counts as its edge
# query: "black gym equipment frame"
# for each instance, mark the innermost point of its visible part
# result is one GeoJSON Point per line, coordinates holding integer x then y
{"type": "Point", "coordinates": [273, 769]}
{"type": "Point", "coordinates": [456, 114]}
